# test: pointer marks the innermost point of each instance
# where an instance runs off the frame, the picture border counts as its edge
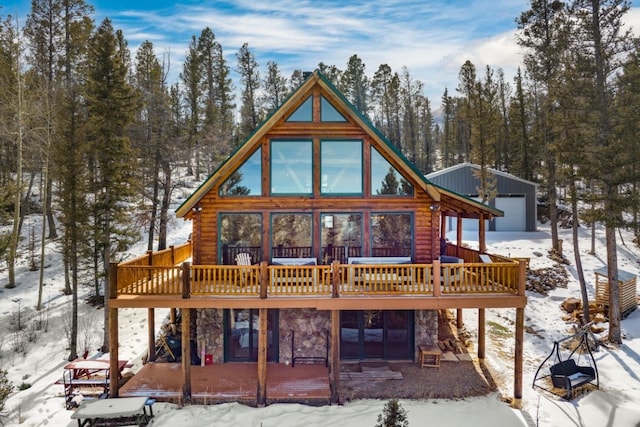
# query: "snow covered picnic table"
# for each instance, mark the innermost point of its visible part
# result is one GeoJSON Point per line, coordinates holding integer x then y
{"type": "Point", "coordinates": [125, 409]}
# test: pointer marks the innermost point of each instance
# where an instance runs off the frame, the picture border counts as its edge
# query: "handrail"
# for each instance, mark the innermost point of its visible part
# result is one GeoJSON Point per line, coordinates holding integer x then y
{"type": "Point", "coordinates": [310, 280]}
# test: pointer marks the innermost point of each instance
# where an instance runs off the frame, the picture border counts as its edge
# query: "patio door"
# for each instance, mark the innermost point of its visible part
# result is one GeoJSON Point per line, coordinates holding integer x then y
{"type": "Point", "coordinates": [376, 334]}
{"type": "Point", "coordinates": [241, 335]}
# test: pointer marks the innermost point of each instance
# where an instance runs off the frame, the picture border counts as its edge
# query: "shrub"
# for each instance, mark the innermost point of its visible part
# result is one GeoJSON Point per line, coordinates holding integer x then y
{"type": "Point", "coordinates": [393, 415]}
{"type": "Point", "coordinates": [5, 388]}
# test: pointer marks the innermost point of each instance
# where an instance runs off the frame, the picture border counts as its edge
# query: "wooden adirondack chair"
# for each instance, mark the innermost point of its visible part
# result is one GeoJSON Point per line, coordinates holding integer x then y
{"type": "Point", "coordinates": [244, 259]}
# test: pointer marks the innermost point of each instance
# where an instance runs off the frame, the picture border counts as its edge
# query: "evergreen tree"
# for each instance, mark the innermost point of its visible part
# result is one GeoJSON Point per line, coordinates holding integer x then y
{"type": "Point", "coordinates": [275, 88]}
{"type": "Point", "coordinates": [192, 81]}
{"type": "Point", "coordinates": [355, 84]}
{"type": "Point", "coordinates": [150, 130]}
{"type": "Point", "coordinates": [393, 415]}
{"type": "Point", "coordinates": [250, 115]}
{"type": "Point", "coordinates": [112, 105]}
{"type": "Point", "coordinates": [543, 36]}
{"type": "Point", "coordinates": [602, 42]}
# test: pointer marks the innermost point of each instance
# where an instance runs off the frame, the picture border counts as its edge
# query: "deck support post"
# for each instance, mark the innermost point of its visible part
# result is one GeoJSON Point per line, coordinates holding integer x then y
{"type": "Point", "coordinates": [518, 358]}
{"type": "Point", "coordinates": [519, 338]}
{"type": "Point", "coordinates": [334, 367]}
{"type": "Point", "coordinates": [482, 235]}
{"type": "Point", "coordinates": [151, 335]}
{"type": "Point", "coordinates": [481, 334]}
{"type": "Point", "coordinates": [114, 380]}
{"type": "Point", "coordinates": [459, 319]}
{"type": "Point", "coordinates": [186, 356]}
{"type": "Point", "coordinates": [262, 357]}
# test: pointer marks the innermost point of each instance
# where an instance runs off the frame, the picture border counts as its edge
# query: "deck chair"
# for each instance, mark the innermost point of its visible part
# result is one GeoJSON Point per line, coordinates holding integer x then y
{"type": "Point", "coordinates": [244, 259]}
{"type": "Point", "coordinates": [485, 258]}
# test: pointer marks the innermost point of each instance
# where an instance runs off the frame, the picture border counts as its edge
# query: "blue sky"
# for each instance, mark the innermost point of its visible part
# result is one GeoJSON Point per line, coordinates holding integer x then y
{"type": "Point", "coordinates": [432, 38]}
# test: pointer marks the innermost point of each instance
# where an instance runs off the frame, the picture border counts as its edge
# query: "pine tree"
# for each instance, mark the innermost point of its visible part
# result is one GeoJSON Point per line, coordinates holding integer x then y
{"type": "Point", "coordinates": [602, 42]}
{"type": "Point", "coordinates": [192, 82]}
{"type": "Point", "coordinates": [250, 115]}
{"type": "Point", "coordinates": [544, 38]}
{"type": "Point", "coordinates": [112, 105]}
{"type": "Point", "coordinates": [275, 88]}
{"type": "Point", "coordinates": [393, 415]}
{"type": "Point", "coordinates": [355, 84]}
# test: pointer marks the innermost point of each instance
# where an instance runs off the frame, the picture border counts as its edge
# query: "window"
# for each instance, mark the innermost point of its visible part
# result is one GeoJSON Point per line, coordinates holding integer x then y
{"type": "Point", "coordinates": [240, 233]}
{"type": "Point", "coordinates": [385, 179]}
{"type": "Point", "coordinates": [291, 167]}
{"type": "Point", "coordinates": [341, 167]}
{"type": "Point", "coordinates": [341, 236]}
{"type": "Point", "coordinates": [291, 236]}
{"type": "Point", "coordinates": [391, 234]}
{"type": "Point", "coordinates": [247, 179]}
{"type": "Point", "coordinates": [304, 113]}
{"type": "Point", "coordinates": [328, 112]}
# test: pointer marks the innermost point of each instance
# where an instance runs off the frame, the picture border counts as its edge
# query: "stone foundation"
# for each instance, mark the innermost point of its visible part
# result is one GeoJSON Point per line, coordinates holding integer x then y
{"type": "Point", "coordinates": [426, 328]}
{"type": "Point", "coordinates": [311, 328]}
{"type": "Point", "coordinates": [210, 331]}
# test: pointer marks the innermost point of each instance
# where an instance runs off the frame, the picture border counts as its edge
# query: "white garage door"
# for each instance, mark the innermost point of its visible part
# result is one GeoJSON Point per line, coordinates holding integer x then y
{"type": "Point", "coordinates": [515, 218]}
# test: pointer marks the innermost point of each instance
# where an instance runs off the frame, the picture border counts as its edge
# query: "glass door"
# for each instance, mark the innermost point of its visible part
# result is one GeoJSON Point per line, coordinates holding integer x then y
{"type": "Point", "coordinates": [376, 334]}
{"type": "Point", "coordinates": [241, 335]}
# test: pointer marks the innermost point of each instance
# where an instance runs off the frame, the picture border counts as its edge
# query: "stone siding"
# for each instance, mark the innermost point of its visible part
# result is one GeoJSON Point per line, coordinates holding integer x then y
{"type": "Point", "coordinates": [311, 328]}
{"type": "Point", "coordinates": [426, 325]}
{"type": "Point", "coordinates": [210, 331]}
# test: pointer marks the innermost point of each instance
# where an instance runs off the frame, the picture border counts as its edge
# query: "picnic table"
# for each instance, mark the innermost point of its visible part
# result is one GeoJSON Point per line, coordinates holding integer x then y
{"type": "Point", "coordinates": [88, 377]}
{"type": "Point", "coordinates": [125, 410]}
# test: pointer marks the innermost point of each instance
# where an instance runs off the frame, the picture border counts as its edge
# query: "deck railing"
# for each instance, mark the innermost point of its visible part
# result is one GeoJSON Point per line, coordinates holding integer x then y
{"type": "Point", "coordinates": [263, 281]}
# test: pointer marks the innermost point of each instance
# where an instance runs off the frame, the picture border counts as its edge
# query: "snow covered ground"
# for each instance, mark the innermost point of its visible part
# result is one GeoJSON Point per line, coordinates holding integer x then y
{"type": "Point", "coordinates": [615, 404]}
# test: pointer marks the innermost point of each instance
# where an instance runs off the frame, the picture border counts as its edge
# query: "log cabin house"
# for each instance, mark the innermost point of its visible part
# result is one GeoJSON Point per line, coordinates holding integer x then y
{"type": "Point", "coordinates": [317, 240]}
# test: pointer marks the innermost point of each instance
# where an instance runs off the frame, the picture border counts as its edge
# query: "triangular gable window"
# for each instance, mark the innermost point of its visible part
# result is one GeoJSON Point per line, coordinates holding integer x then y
{"type": "Point", "coordinates": [304, 113]}
{"type": "Point", "coordinates": [247, 179]}
{"type": "Point", "coordinates": [385, 179]}
{"type": "Point", "coordinates": [328, 112]}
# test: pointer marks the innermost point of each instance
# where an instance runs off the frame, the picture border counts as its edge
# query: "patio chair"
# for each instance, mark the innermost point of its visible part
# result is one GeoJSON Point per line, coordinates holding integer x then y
{"type": "Point", "coordinates": [244, 259]}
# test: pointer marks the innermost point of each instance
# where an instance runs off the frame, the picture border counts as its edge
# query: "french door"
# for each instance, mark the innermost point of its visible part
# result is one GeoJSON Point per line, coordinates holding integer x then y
{"type": "Point", "coordinates": [376, 334]}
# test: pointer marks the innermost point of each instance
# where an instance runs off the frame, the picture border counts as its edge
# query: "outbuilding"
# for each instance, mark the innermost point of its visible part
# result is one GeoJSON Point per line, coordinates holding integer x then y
{"type": "Point", "coordinates": [516, 197]}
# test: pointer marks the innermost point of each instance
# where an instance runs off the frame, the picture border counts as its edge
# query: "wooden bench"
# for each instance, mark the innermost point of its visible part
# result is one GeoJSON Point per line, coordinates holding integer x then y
{"type": "Point", "coordinates": [429, 356]}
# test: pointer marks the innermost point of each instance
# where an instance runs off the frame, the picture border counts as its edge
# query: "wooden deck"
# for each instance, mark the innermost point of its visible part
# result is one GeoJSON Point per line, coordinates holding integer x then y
{"type": "Point", "coordinates": [231, 382]}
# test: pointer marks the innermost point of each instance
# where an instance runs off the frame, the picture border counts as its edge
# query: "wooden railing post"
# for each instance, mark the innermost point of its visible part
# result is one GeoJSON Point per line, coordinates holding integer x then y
{"type": "Point", "coordinates": [522, 277]}
{"type": "Point", "coordinates": [150, 256]}
{"type": "Point", "coordinates": [335, 279]}
{"type": "Point", "coordinates": [186, 280]}
{"type": "Point", "coordinates": [264, 279]}
{"type": "Point", "coordinates": [436, 278]}
{"type": "Point", "coordinates": [173, 254]}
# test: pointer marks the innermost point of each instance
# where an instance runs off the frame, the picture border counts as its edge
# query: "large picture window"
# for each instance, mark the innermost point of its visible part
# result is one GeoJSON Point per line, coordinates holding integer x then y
{"type": "Point", "coordinates": [391, 234]}
{"type": "Point", "coordinates": [341, 236]}
{"type": "Point", "coordinates": [291, 236]}
{"type": "Point", "coordinates": [341, 164]}
{"type": "Point", "coordinates": [241, 232]}
{"type": "Point", "coordinates": [291, 167]}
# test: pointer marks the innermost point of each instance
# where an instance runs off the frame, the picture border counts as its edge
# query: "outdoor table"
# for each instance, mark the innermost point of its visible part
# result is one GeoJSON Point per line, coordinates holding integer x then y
{"type": "Point", "coordinates": [135, 408]}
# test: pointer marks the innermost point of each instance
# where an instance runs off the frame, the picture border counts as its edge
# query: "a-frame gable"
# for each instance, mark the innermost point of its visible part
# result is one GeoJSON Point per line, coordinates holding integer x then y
{"type": "Point", "coordinates": [316, 84]}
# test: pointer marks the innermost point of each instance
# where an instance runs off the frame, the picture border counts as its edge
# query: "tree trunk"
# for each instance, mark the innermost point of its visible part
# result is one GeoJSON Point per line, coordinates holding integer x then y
{"type": "Point", "coordinates": [164, 206]}
{"type": "Point", "coordinates": [576, 252]}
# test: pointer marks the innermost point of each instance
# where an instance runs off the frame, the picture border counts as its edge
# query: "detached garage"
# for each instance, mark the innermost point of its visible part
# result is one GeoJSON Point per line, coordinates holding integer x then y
{"type": "Point", "coordinates": [516, 197]}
